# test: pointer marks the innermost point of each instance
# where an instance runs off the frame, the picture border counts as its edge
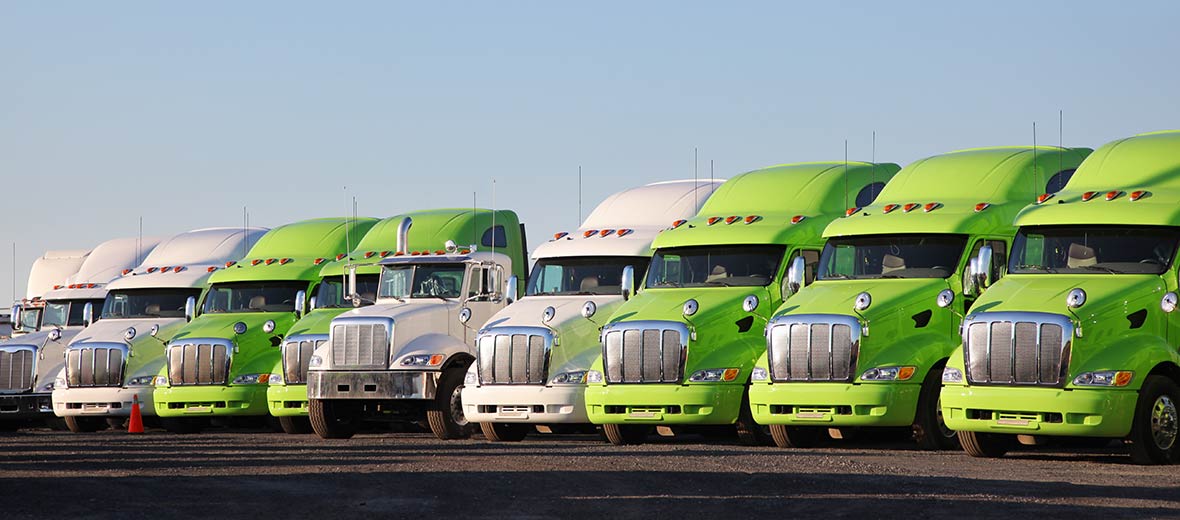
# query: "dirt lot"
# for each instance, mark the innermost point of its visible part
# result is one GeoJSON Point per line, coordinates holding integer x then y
{"type": "Point", "coordinates": [157, 475]}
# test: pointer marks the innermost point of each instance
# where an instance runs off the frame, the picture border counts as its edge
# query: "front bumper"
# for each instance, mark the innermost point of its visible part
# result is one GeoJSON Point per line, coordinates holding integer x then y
{"type": "Point", "coordinates": [664, 403]}
{"type": "Point", "coordinates": [287, 400]}
{"type": "Point", "coordinates": [388, 384]}
{"type": "Point", "coordinates": [535, 404]}
{"type": "Point", "coordinates": [834, 404]}
{"type": "Point", "coordinates": [103, 402]}
{"type": "Point", "coordinates": [25, 406]}
{"type": "Point", "coordinates": [207, 400]}
{"type": "Point", "coordinates": [1039, 411]}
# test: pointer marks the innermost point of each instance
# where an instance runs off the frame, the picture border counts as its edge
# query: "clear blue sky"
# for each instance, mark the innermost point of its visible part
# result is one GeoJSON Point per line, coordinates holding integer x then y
{"type": "Point", "coordinates": [183, 113]}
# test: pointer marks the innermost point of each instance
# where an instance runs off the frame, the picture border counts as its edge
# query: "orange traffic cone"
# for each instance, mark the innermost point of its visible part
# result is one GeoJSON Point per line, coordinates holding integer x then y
{"type": "Point", "coordinates": [135, 424]}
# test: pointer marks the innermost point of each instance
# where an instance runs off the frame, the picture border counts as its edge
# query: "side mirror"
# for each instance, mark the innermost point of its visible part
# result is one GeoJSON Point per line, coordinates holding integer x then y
{"type": "Point", "coordinates": [87, 314]}
{"type": "Point", "coordinates": [496, 276]}
{"type": "Point", "coordinates": [464, 315]}
{"type": "Point", "coordinates": [311, 304]}
{"type": "Point", "coordinates": [350, 287]}
{"type": "Point", "coordinates": [795, 276]}
{"type": "Point", "coordinates": [17, 310]}
{"type": "Point", "coordinates": [627, 282]}
{"type": "Point", "coordinates": [190, 308]}
{"type": "Point", "coordinates": [510, 290]}
{"type": "Point", "coordinates": [970, 278]}
{"type": "Point", "coordinates": [985, 267]}
{"type": "Point", "coordinates": [300, 303]}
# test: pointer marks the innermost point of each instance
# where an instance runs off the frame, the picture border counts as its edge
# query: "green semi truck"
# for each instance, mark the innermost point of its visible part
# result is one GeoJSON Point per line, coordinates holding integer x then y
{"type": "Point", "coordinates": [864, 345]}
{"type": "Point", "coordinates": [1080, 337]}
{"type": "Point", "coordinates": [681, 350]}
{"type": "Point", "coordinates": [287, 393]}
{"type": "Point", "coordinates": [219, 364]}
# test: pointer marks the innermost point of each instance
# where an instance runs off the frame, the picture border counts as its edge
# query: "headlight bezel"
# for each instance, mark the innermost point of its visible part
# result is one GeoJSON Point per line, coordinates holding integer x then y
{"type": "Point", "coordinates": [952, 375]}
{"type": "Point", "coordinates": [422, 360]}
{"type": "Point", "coordinates": [889, 373]}
{"type": "Point", "coordinates": [1104, 378]}
{"type": "Point", "coordinates": [251, 379]}
{"type": "Point", "coordinates": [570, 377]}
{"type": "Point", "coordinates": [714, 375]}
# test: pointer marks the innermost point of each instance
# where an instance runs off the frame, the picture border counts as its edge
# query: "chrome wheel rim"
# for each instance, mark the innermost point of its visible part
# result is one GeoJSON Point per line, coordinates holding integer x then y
{"type": "Point", "coordinates": [457, 406]}
{"type": "Point", "coordinates": [1164, 422]}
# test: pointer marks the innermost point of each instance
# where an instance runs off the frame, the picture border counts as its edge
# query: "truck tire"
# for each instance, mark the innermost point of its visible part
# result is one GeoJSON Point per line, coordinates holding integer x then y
{"type": "Point", "coordinates": [331, 419]}
{"type": "Point", "coordinates": [445, 412]}
{"type": "Point", "coordinates": [117, 423]}
{"type": "Point", "coordinates": [182, 425]}
{"type": "Point", "coordinates": [85, 424]}
{"type": "Point", "coordinates": [1155, 432]}
{"type": "Point", "coordinates": [797, 436]}
{"type": "Point", "coordinates": [987, 445]}
{"type": "Point", "coordinates": [505, 432]}
{"type": "Point", "coordinates": [295, 425]}
{"type": "Point", "coordinates": [930, 431]}
{"type": "Point", "coordinates": [749, 432]}
{"type": "Point", "coordinates": [625, 434]}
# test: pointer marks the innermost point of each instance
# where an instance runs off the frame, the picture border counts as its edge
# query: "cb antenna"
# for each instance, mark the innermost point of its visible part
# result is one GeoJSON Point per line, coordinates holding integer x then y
{"type": "Point", "coordinates": [873, 182]}
{"type": "Point", "coordinates": [710, 172]}
{"type": "Point", "coordinates": [579, 222]}
{"type": "Point", "coordinates": [494, 217]}
{"type": "Point", "coordinates": [347, 238]}
{"type": "Point", "coordinates": [1060, 141]}
{"type": "Point", "coordinates": [1036, 174]}
{"type": "Point", "coordinates": [846, 174]}
{"type": "Point", "coordinates": [695, 164]}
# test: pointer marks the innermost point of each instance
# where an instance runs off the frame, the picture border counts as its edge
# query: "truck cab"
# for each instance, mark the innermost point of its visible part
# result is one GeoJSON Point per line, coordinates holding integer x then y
{"type": "Point", "coordinates": [680, 352]}
{"type": "Point", "coordinates": [219, 364]}
{"type": "Point", "coordinates": [287, 393]}
{"type": "Point", "coordinates": [33, 361]}
{"type": "Point", "coordinates": [532, 356]}
{"type": "Point", "coordinates": [1079, 339]}
{"type": "Point", "coordinates": [49, 272]}
{"type": "Point", "coordinates": [404, 358]}
{"type": "Point", "coordinates": [864, 345]}
{"type": "Point", "coordinates": [115, 360]}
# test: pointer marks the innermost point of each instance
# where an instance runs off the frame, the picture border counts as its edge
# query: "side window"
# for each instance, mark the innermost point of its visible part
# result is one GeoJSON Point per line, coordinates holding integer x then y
{"type": "Point", "coordinates": [811, 260]}
{"type": "Point", "coordinates": [999, 256]}
{"type": "Point", "coordinates": [868, 194]}
{"type": "Point", "coordinates": [480, 288]}
{"type": "Point", "coordinates": [494, 237]}
{"type": "Point", "coordinates": [1058, 181]}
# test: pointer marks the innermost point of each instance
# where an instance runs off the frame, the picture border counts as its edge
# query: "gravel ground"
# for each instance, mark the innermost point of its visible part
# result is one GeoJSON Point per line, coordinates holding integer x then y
{"type": "Point", "coordinates": [46, 473]}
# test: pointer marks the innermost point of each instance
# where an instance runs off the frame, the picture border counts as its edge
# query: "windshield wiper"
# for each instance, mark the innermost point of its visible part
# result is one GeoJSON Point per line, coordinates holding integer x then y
{"type": "Point", "coordinates": [837, 276]}
{"type": "Point", "coordinates": [717, 282]}
{"type": "Point", "coordinates": [892, 276]}
{"type": "Point", "coordinates": [666, 284]}
{"type": "Point", "coordinates": [1037, 267]}
{"type": "Point", "coordinates": [1100, 268]}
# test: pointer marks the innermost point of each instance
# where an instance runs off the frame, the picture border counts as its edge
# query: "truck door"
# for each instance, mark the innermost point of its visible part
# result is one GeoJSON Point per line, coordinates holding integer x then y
{"type": "Point", "coordinates": [999, 263]}
{"type": "Point", "coordinates": [482, 295]}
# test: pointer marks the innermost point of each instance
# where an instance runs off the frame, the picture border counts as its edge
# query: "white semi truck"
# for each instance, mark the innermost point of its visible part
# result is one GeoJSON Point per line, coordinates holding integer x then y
{"type": "Point", "coordinates": [532, 356]}
{"type": "Point", "coordinates": [50, 269]}
{"type": "Point", "coordinates": [117, 358]}
{"type": "Point", "coordinates": [29, 362]}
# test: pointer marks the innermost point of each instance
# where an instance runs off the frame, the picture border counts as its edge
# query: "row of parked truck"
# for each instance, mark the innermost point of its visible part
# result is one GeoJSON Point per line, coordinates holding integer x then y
{"type": "Point", "coordinates": [977, 298]}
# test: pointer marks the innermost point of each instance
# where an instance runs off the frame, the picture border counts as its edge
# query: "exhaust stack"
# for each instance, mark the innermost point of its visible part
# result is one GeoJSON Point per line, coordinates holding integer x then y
{"type": "Point", "coordinates": [403, 235]}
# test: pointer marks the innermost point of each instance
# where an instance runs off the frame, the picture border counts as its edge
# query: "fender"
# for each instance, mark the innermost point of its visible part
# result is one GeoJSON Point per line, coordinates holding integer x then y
{"type": "Point", "coordinates": [1140, 353]}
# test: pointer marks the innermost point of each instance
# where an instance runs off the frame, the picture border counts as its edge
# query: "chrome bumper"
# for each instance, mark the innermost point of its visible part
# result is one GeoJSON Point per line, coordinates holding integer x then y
{"type": "Point", "coordinates": [371, 385]}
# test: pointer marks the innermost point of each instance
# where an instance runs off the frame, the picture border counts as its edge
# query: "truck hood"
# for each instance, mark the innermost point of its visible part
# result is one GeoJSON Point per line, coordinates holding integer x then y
{"type": "Point", "coordinates": [318, 321]}
{"type": "Point", "coordinates": [50, 354]}
{"type": "Point", "coordinates": [720, 316]}
{"type": "Point", "coordinates": [1106, 295]}
{"type": "Point", "coordinates": [577, 342]}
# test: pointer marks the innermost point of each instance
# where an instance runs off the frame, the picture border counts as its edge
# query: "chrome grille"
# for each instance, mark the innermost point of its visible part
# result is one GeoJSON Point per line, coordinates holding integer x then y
{"type": "Point", "coordinates": [1016, 348]}
{"type": "Point", "coordinates": [645, 351]}
{"type": "Point", "coordinates": [361, 343]}
{"type": "Point", "coordinates": [95, 364]}
{"type": "Point", "coordinates": [199, 362]}
{"type": "Point", "coordinates": [296, 352]}
{"type": "Point", "coordinates": [813, 347]}
{"type": "Point", "coordinates": [16, 368]}
{"type": "Point", "coordinates": [514, 356]}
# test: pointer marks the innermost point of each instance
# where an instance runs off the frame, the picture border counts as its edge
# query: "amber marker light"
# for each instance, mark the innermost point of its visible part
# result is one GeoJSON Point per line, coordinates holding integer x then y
{"type": "Point", "coordinates": [1088, 195]}
{"type": "Point", "coordinates": [1113, 194]}
{"type": "Point", "coordinates": [982, 206]}
{"type": "Point", "coordinates": [932, 206]}
{"type": "Point", "coordinates": [797, 219]}
{"type": "Point", "coordinates": [714, 220]}
{"type": "Point", "coordinates": [889, 207]}
{"type": "Point", "coordinates": [910, 207]}
{"type": "Point", "coordinates": [1136, 195]}
{"type": "Point", "coordinates": [848, 212]}
{"type": "Point", "coordinates": [679, 223]}
{"type": "Point", "coordinates": [752, 219]}
{"type": "Point", "coordinates": [1044, 197]}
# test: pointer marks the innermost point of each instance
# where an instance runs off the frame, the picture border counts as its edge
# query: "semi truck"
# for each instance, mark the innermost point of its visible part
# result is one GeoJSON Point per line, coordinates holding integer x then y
{"type": "Point", "coordinates": [287, 393]}
{"type": "Point", "coordinates": [29, 363]}
{"type": "Point", "coordinates": [405, 357]}
{"type": "Point", "coordinates": [1079, 339]}
{"type": "Point", "coordinates": [864, 345]}
{"type": "Point", "coordinates": [52, 268]}
{"type": "Point", "coordinates": [679, 353]}
{"type": "Point", "coordinates": [532, 356]}
{"type": "Point", "coordinates": [115, 360]}
{"type": "Point", "coordinates": [219, 363]}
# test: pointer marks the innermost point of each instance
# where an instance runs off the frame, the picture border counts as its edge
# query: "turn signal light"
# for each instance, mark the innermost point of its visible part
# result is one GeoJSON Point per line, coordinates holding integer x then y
{"type": "Point", "coordinates": [890, 207]}
{"type": "Point", "coordinates": [1111, 195]}
{"type": "Point", "coordinates": [1043, 197]}
{"type": "Point", "coordinates": [905, 373]}
{"type": "Point", "coordinates": [797, 219]}
{"type": "Point", "coordinates": [848, 212]}
{"type": "Point", "coordinates": [1088, 195]}
{"type": "Point", "coordinates": [1136, 195]}
{"type": "Point", "coordinates": [910, 207]}
{"type": "Point", "coordinates": [729, 375]}
{"type": "Point", "coordinates": [679, 223]}
{"type": "Point", "coordinates": [982, 206]}
{"type": "Point", "coordinates": [931, 207]}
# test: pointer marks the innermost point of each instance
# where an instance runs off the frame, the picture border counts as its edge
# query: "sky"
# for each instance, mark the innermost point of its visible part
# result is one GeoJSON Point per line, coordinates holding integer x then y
{"type": "Point", "coordinates": [184, 113]}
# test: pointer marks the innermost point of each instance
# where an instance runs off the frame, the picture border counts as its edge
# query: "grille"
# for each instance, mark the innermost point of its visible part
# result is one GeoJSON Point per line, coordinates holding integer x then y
{"type": "Point", "coordinates": [812, 347]}
{"type": "Point", "coordinates": [296, 353]}
{"type": "Point", "coordinates": [645, 352]}
{"type": "Point", "coordinates": [199, 362]}
{"type": "Point", "coordinates": [95, 364]}
{"type": "Point", "coordinates": [511, 355]}
{"type": "Point", "coordinates": [16, 368]}
{"type": "Point", "coordinates": [1017, 348]}
{"type": "Point", "coordinates": [361, 343]}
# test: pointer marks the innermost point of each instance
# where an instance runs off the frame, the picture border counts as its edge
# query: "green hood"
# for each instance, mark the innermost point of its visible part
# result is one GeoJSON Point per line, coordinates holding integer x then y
{"type": "Point", "coordinates": [318, 321]}
{"type": "Point", "coordinates": [256, 351]}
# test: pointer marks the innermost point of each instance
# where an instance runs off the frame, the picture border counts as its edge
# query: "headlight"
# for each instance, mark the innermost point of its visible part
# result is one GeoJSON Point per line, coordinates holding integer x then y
{"type": "Point", "coordinates": [141, 381]}
{"type": "Point", "coordinates": [576, 377]}
{"type": "Point", "coordinates": [952, 375]}
{"type": "Point", "coordinates": [276, 379]}
{"type": "Point", "coordinates": [59, 382]}
{"type": "Point", "coordinates": [315, 361]}
{"type": "Point", "coordinates": [423, 360]}
{"type": "Point", "coordinates": [713, 375]}
{"type": "Point", "coordinates": [1104, 378]}
{"type": "Point", "coordinates": [888, 374]}
{"type": "Point", "coordinates": [593, 376]}
{"type": "Point", "coordinates": [759, 374]}
{"type": "Point", "coordinates": [252, 379]}
{"type": "Point", "coordinates": [161, 381]}
{"type": "Point", "coordinates": [471, 378]}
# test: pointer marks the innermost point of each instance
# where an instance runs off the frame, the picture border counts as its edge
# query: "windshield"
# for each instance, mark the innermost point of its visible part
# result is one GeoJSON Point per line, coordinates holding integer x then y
{"type": "Point", "coordinates": [147, 303]}
{"type": "Point", "coordinates": [330, 295]}
{"type": "Point", "coordinates": [582, 275]}
{"type": "Point", "coordinates": [1093, 249]}
{"type": "Point", "coordinates": [421, 280]}
{"type": "Point", "coordinates": [715, 266]}
{"type": "Point", "coordinates": [62, 313]}
{"type": "Point", "coordinates": [252, 297]}
{"type": "Point", "coordinates": [891, 256]}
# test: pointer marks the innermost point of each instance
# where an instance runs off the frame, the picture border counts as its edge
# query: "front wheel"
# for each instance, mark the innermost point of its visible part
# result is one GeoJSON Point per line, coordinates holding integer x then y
{"type": "Point", "coordinates": [930, 431]}
{"type": "Point", "coordinates": [295, 425]}
{"type": "Point", "coordinates": [330, 419]}
{"type": "Point", "coordinates": [625, 434]}
{"type": "Point", "coordinates": [505, 432]}
{"type": "Point", "coordinates": [796, 436]}
{"type": "Point", "coordinates": [1156, 426]}
{"type": "Point", "coordinates": [749, 432]}
{"type": "Point", "coordinates": [987, 445]}
{"type": "Point", "coordinates": [445, 412]}
{"type": "Point", "coordinates": [85, 424]}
